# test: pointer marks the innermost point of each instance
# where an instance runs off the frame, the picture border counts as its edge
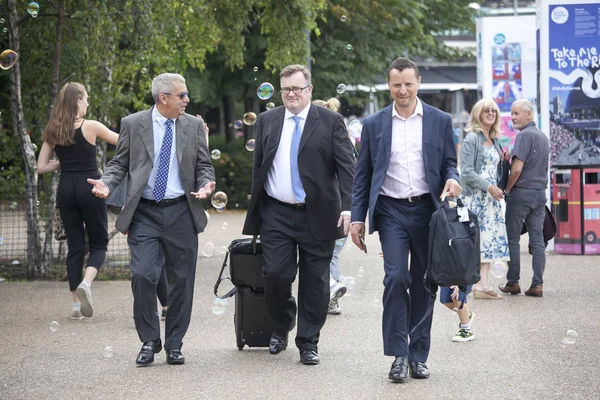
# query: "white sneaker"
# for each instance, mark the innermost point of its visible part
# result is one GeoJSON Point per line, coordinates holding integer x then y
{"type": "Point", "coordinates": [334, 308]}
{"type": "Point", "coordinates": [85, 297]}
{"type": "Point", "coordinates": [336, 292]}
{"type": "Point", "coordinates": [76, 314]}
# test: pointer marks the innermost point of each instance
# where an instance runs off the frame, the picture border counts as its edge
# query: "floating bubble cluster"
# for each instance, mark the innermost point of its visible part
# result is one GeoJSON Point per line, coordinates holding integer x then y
{"type": "Point", "coordinates": [215, 154]}
{"type": "Point", "coordinates": [265, 91]}
{"type": "Point", "coordinates": [219, 200]}
{"type": "Point", "coordinates": [249, 118]}
{"type": "Point", "coordinates": [238, 124]}
{"type": "Point", "coordinates": [208, 249]}
{"type": "Point", "coordinates": [250, 145]}
{"type": "Point", "coordinates": [270, 106]}
{"type": "Point", "coordinates": [341, 88]}
{"type": "Point", "coordinates": [8, 58]}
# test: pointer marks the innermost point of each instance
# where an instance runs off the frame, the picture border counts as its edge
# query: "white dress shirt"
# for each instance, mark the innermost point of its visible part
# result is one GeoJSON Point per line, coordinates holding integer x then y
{"type": "Point", "coordinates": [405, 176]}
{"type": "Point", "coordinates": [174, 186]}
{"type": "Point", "coordinates": [279, 179]}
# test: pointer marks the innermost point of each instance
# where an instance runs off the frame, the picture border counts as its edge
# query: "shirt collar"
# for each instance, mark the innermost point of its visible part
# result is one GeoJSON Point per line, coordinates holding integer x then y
{"type": "Point", "coordinates": [158, 117]}
{"type": "Point", "coordinates": [418, 110]}
{"type": "Point", "coordinates": [302, 114]}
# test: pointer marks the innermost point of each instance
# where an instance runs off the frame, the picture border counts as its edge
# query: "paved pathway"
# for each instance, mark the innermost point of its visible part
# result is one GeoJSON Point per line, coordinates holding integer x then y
{"type": "Point", "coordinates": [519, 351]}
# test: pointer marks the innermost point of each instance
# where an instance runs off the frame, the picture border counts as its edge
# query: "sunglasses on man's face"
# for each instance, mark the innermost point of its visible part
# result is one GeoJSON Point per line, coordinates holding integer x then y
{"type": "Point", "coordinates": [181, 95]}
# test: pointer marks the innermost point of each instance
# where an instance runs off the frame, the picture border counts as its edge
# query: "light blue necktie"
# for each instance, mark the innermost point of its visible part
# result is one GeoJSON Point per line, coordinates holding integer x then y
{"type": "Point", "coordinates": [162, 175]}
{"type": "Point", "coordinates": [295, 173]}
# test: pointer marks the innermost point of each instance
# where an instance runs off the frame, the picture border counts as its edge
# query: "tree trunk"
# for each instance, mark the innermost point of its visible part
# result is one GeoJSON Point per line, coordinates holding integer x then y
{"type": "Point", "coordinates": [230, 118]}
{"type": "Point", "coordinates": [222, 120]}
{"type": "Point", "coordinates": [34, 246]}
{"type": "Point", "coordinates": [47, 255]}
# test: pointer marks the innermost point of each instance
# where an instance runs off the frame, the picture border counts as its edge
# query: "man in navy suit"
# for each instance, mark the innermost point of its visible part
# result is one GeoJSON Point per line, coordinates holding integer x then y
{"type": "Point", "coordinates": [407, 160]}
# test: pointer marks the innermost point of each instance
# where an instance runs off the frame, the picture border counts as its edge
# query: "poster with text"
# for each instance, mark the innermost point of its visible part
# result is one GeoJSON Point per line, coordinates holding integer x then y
{"type": "Point", "coordinates": [574, 83]}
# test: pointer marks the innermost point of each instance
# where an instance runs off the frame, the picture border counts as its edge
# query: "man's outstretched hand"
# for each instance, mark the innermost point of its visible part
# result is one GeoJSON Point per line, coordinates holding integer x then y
{"type": "Point", "coordinates": [205, 191]}
{"type": "Point", "coordinates": [100, 189]}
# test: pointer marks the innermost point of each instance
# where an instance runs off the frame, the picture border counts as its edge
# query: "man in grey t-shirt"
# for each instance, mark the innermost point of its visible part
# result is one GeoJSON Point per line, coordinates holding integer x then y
{"type": "Point", "coordinates": [526, 198]}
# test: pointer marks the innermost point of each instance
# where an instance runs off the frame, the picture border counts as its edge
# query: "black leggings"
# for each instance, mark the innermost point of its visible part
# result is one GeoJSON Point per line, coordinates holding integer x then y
{"type": "Point", "coordinates": [82, 211]}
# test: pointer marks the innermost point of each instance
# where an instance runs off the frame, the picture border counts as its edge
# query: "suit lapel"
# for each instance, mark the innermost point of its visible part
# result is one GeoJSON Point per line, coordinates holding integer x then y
{"type": "Point", "coordinates": [386, 129]}
{"type": "Point", "coordinates": [312, 121]}
{"type": "Point", "coordinates": [427, 133]}
{"type": "Point", "coordinates": [146, 133]}
{"type": "Point", "coordinates": [181, 134]}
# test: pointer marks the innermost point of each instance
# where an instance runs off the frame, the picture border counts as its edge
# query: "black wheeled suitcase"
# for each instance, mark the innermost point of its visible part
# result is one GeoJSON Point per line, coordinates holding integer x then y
{"type": "Point", "coordinates": [253, 325]}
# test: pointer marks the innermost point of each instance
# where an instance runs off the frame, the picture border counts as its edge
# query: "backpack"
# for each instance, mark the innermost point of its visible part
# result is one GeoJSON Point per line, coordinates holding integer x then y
{"type": "Point", "coordinates": [454, 252]}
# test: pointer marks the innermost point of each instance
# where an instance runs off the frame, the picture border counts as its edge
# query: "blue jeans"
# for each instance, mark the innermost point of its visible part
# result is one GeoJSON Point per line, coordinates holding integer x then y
{"type": "Point", "coordinates": [526, 205]}
{"type": "Point", "coordinates": [334, 266]}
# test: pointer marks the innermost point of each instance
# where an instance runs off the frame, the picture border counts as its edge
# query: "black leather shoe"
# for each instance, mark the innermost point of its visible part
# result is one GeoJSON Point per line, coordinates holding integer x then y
{"type": "Point", "coordinates": [146, 355]}
{"type": "Point", "coordinates": [399, 371]}
{"type": "Point", "coordinates": [419, 370]}
{"type": "Point", "coordinates": [174, 357]}
{"type": "Point", "coordinates": [309, 357]}
{"type": "Point", "coordinates": [278, 343]}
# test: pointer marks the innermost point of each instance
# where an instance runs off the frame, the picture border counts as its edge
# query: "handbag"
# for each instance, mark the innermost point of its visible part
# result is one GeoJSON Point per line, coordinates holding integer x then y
{"type": "Point", "coordinates": [502, 170]}
{"type": "Point", "coordinates": [59, 228]}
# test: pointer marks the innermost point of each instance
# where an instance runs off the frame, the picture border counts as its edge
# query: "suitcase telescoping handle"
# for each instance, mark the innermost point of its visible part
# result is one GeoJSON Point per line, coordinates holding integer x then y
{"type": "Point", "coordinates": [234, 290]}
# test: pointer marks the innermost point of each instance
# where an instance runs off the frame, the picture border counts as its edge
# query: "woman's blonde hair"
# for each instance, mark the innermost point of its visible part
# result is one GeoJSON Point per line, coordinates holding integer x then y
{"type": "Point", "coordinates": [59, 130]}
{"type": "Point", "coordinates": [333, 104]}
{"type": "Point", "coordinates": [475, 122]}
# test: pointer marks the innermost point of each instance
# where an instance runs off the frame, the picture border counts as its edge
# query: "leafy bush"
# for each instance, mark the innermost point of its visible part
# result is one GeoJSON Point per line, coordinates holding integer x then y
{"type": "Point", "coordinates": [233, 171]}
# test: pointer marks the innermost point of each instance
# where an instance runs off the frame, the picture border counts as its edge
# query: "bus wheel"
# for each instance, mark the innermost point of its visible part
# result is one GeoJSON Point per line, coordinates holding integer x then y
{"type": "Point", "coordinates": [590, 237]}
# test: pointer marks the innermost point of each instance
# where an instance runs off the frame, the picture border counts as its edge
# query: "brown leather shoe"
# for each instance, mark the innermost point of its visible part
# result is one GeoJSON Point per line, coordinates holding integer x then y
{"type": "Point", "coordinates": [535, 291]}
{"type": "Point", "coordinates": [512, 289]}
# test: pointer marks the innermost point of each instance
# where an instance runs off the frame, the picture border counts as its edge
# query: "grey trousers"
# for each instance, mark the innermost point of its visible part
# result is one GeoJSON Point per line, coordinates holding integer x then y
{"type": "Point", "coordinates": [171, 229]}
{"type": "Point", "coordinates": [526, 205]}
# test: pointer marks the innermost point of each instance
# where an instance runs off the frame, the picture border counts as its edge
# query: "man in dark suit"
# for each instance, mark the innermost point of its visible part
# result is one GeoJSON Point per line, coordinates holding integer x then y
{"type": "Point", "coordinates": [407, 160]}
{"type": "Point", "coordinates": [164, 155]}
{"type": "Point", "coordinates": [301, 184]}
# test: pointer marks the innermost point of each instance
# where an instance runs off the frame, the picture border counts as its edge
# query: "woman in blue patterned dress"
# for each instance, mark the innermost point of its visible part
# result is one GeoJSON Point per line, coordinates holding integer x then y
{"type": "Point", "coordinates": [482, 163]}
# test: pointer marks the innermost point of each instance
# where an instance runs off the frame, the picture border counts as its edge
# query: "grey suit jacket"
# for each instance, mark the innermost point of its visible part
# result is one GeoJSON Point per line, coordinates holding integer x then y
{"type": "Point", "coordinates": [134, 158]}
{"type": "Point", "coordinates": [326, 166]}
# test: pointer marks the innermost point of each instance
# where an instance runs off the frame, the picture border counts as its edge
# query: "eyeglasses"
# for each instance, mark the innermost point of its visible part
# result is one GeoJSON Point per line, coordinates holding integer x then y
{"type": "Point", "coordinates": [181, 95]}
{"type": "Point", "coordinates": [489, 111]}
{"type": "Point", "coordinates": [296, 90]}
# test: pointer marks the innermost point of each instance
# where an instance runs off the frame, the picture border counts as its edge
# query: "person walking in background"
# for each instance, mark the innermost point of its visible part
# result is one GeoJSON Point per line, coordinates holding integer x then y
{"type": "Point", "coordinates": [73, 140]}
{"type": "Point", "coordinates": [526, 198]}
{"type": "Point", "coordinates": [164, 155]}
{"type": "Point", "coordinates": [407, 161]}
{"type": "Point", "coordinates": [301, 194]}
{"type": "Point", "coordinates": [482, 166]}
{"type": "Point", "coordinates": [336, 288]}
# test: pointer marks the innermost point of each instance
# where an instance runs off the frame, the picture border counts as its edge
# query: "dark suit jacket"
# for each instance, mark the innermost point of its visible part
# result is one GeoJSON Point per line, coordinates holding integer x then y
{"type": "Point", "coordinates": [134, 158]}
{"type": "Point", "coordinates": [325, 163]}
{"type": "Point", "coordinates": [439, 158]}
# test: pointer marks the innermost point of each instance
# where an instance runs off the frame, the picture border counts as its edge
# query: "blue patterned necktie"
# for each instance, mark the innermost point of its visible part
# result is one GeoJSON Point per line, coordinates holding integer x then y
{"type": "Point", "coordinates": [295, 173]}
{"type": "Point", "coordinates": [162, 175]}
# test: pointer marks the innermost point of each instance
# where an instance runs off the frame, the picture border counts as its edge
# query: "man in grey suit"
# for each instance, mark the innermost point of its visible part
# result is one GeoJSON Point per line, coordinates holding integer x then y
{"type": "Point", "coordinates": [301, 183]}
{"type": "Point", "coordinates": [164, 155]}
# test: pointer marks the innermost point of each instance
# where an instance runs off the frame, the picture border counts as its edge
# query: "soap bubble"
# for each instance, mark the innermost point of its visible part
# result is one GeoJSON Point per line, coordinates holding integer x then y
{"type": "Point", "coordinates": [498, 269]}
{"type": "Point", "coordinates": [224, 226]}
{"type": "Point", "coordinates": [8, 58]}
{"type": "Point", "coordinates": [54, 326]}
{"type": "Point", "coordinates": [108, 351]}
{"type": "Point", "coordinates": [33, 8]}
{"type": "Point", "coordinates": [570, 337]}
{"type": "Point", "coordinates": [270, 105]}
{"type": "Point", "coordinates": [340, 242]}
{"type": "Point", "coordinates": [222, 249]}
{"type": "Point", "coordinates": [341, 88]}
{"type": "Point", "coordinates": [355, 128]}
{"type": "Point", "coordinates": [250, 145]}
{"type": "Point", "coordinates": [361, 272]}
{"type": "Point", "coordinates": [13, 205]}
{"type": "Point", "coordinates": [208, 249]}
{"type": "Point", "coordinates": [265, 91]}
{"type": "Point", "coordinates": [249, 118]}
{"type": "Point", "coordinates": [219, 305]}
{"type": "Point", "coordinates": [343, 18]}
{"type": "Point", "coordinates": [215, 154]}
{"type": "Point", "coordinates": [238, 124]}
{"type": "Point", "coordinates": [348, 46]}
{"type": "Point", "coordinates": [219, 200]}
{"type": "Point", "coordinates": [255, 69]}
{"type": "Point", "coordinates": [1, 20]}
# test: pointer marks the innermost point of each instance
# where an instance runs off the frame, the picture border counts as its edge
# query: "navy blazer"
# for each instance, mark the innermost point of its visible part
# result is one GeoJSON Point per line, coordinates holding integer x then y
{"type": "Point", "coordinates": [439, 158]}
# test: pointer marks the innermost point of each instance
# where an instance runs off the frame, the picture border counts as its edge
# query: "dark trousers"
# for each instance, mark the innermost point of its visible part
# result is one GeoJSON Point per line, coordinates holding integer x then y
{"type": "Point", "coordinates": [527, 205]}
{"type": "Point", "coordinates": [162, 287]}
{"type": "Point", "coordinates": [404, 228]}
{"type": "Point", "coordinates": [171, 229]}
{"type": "Point", "coordinates": [288, 246]}
{"type": "Point", "coordinates": [81, 211]}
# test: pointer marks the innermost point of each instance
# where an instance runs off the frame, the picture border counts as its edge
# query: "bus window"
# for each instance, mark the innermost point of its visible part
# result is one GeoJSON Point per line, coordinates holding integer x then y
{"type": "Point", "coordinates": [563, 178]}
{"type": "Point", "coordinates": [563, 210]}
{"type": "Point", "coordinates": [591, 178]}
